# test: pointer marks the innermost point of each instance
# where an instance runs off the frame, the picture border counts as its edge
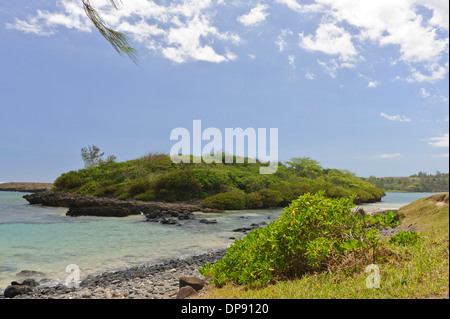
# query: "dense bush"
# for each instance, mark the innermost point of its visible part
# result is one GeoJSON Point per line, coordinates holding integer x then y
{"type": "Point", "coordinates": [232, 200]}
{"type": "Point", "coordinates": [212, 181]}
{"type": "Point", "coordinates": [148, 196]}
{"type": "Point", "coordinates": [69, 180]}
{"type": "Point", "coordinates": [139, 186]}
{"type": "Point", "coordinates": [404, 238]}
{"type": "Point", "coordinates": [177, 185]}
{"type": "Point", "coordinates": [264, 198]}
{"type": "Point", "coordinates": [313, 233]}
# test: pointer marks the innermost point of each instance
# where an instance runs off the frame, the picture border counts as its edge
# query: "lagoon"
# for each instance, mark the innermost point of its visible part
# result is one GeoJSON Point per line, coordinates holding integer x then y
{"type": "Point", "coordinates": [45, 240]}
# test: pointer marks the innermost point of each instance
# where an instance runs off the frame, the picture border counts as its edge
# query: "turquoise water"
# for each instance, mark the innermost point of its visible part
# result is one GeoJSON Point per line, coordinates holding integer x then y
{"type": "Point", "coordinates": [45, 240]}
{"type": "Point", "coordinates": [397, 200]}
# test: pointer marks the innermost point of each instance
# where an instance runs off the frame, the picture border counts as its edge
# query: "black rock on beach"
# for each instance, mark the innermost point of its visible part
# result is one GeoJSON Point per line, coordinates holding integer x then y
{"type": "Point", "coordinates": [161, 280]}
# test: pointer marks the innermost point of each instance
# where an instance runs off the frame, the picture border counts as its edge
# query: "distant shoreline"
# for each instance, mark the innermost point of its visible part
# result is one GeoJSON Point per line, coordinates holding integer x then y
{"type": "Point", "coordinates": [25, 187]}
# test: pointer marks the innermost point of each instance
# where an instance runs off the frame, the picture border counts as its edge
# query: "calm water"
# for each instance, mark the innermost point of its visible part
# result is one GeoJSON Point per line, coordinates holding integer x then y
{"type": "Point", "coordinates": [45, 240]}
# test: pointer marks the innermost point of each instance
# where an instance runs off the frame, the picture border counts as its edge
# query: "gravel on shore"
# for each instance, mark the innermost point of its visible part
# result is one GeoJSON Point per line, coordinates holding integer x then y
{"type": "Point", "coordinates": [148, 281]}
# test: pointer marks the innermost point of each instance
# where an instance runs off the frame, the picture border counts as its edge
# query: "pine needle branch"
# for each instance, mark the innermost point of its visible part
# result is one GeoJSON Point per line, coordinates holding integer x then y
{"type": "Point", "coordinates": [118, 40]}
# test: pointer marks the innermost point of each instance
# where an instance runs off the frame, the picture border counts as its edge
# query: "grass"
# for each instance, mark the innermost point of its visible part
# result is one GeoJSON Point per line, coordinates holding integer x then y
{"type": "Point", "coordinates": [415, 270]}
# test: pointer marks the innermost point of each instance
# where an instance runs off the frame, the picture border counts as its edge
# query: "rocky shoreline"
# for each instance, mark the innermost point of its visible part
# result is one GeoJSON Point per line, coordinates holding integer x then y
{"type": "Point", "coordinates": [167, 279]}
{"type": "Point", "coordinates": [176, 278]}
{"type": "Point", "coordinates": [84, 205]}
{"type": "Point", "coordinates": [25, 187]}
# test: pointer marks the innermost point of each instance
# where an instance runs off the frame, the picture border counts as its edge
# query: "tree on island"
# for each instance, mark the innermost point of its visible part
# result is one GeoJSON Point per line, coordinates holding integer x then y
{"type": "Point", "coordinates": [92, 157]}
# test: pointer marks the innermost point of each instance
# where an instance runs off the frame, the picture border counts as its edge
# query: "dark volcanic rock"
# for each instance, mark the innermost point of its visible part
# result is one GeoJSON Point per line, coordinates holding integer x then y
{"type": "Point", "coordinates": [16, 289]}
{"type": "Point", "coordinates": [84, 205]}
{"type": "Point", "coordinates": [187, 292]}
{"type": "Point", "coordinates": [208, 221]}
{"type": "Point", "coordinates": [194, 282]}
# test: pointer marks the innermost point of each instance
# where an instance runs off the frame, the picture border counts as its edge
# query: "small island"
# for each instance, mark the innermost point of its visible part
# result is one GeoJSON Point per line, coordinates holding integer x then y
{"type": "Point", "coordinates": [155, 182]}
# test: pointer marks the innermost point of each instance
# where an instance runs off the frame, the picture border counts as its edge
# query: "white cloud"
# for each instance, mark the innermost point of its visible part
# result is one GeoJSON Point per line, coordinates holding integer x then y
{"type": "Point", "coordinates": [178, 30]}
{"type": "Point", "coordinates": [440, 9]}
{"type": "Point", "coordinates": [330, 39]}
{"type": "Point", "coordinates": [424, 93]}
{"type": "Point", "coordinates": [436, 72]}
{"type": "Point", "coordinates": [388, 155]}
{"type": "Point", "coordinates": [294, 5]}
{"type": "Point", "coordinates": [392, 23]}
{"type": "Point", "coordinates": [441, 155]}
{"type": "Point", "coordinates": [44, 22]}
{"type": "Point", "coordinates": [397, 118]}
{"type": "Point", "coordinates": [415, 30]}
{"type": "Point", "coordinates": [439, 141]}
{"type": "Point", "coordinates": [310, 76]}
{"type": "Point", "coordinates": [255, 16]}
{"type": "Point", "coordinates": [333, 65]}
{"type": "Point", "coordinates": [291, 60]}
{"type": "Point", "coordinates": [372, 84]}
{"type": "Point", "coordinates": [281, 40]}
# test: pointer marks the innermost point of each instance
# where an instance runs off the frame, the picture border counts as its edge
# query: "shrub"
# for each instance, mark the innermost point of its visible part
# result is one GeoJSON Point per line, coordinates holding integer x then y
{"type": "Point", "coordinates": [124, 196]}
{"type": "Point", "coordinates": [69, 181]}
{"type": "Point", "coordinates": [148, 196]}
{"type": "Point", "coordinates": [212, 182]}
{"type": "Point", "coordinates": [314, 233]}
{"type": "Point", "coordinates": [108, 188]}
{"type": "Point", "coordinates": [291, 191]}
{"type": "Point", "coordinates": [254, 200]}
{"type": "Point", "coordinates": [177, 185]}
{"type": "Point", "coordinates": [388, 219]}
{"type": "Point", "coordinates": [264, 198]}
{"type": "Point", "coordinates": [404, 238]}
{"type": "Point", "coordinates": [139, 186]}
{"type": "Point", "coordinates": [89, 188]}
{"type": "Point", "coordinates": [233, 200]}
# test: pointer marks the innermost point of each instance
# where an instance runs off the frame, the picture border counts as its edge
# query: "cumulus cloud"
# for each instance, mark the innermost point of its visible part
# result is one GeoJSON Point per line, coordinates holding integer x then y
{"type": "Point", "coordinates": [439, 141]}
{"type": "Point", "coordinates": [415, 30]}
{"type": "Point", "coordinates": [255, 16]}
{"type": "Point", "coordinates": [397, 118]}
{"type": "Point", "coordinates": [372, 84]}
{"type": "Point", "coordinates": [179, 30]}
{"type": "Point", "coordinates": [348, 24]}
{"type": "Point", "coordinates": [330, 39]}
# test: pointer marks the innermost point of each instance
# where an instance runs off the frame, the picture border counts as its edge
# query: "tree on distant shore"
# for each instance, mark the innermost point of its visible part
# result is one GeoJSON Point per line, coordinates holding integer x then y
{"type": "Point", "coordinates": [92, 157]}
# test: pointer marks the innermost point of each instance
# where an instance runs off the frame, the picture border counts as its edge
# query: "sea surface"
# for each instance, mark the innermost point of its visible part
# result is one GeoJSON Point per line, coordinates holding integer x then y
{"type": "Point", "coordinates": [44, 240]}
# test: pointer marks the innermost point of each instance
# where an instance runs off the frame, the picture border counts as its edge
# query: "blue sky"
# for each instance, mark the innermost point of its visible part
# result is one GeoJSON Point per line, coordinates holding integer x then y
{"type": "Point", "coordinates": [357, 85]}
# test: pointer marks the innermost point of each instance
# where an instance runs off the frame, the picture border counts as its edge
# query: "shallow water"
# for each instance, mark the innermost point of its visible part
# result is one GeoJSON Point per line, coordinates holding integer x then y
{"type": "Point", "coordinates": [45, 240]}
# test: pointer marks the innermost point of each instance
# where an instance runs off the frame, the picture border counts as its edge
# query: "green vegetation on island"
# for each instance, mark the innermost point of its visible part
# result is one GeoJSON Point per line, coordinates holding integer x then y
{"type": "Point", "coordinates": [154, 177]}
{"type": "Point", "coordinates": [420, 182]}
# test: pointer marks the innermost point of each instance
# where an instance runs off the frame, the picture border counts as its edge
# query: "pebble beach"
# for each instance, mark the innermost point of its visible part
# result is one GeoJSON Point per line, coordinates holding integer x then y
{"type": "Point", "coordinates": [159, 280]}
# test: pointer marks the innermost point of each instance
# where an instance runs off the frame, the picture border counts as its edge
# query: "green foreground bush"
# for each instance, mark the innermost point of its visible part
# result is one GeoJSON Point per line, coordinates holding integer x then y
{"type": "Point", "coordinates": [314, 233]}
